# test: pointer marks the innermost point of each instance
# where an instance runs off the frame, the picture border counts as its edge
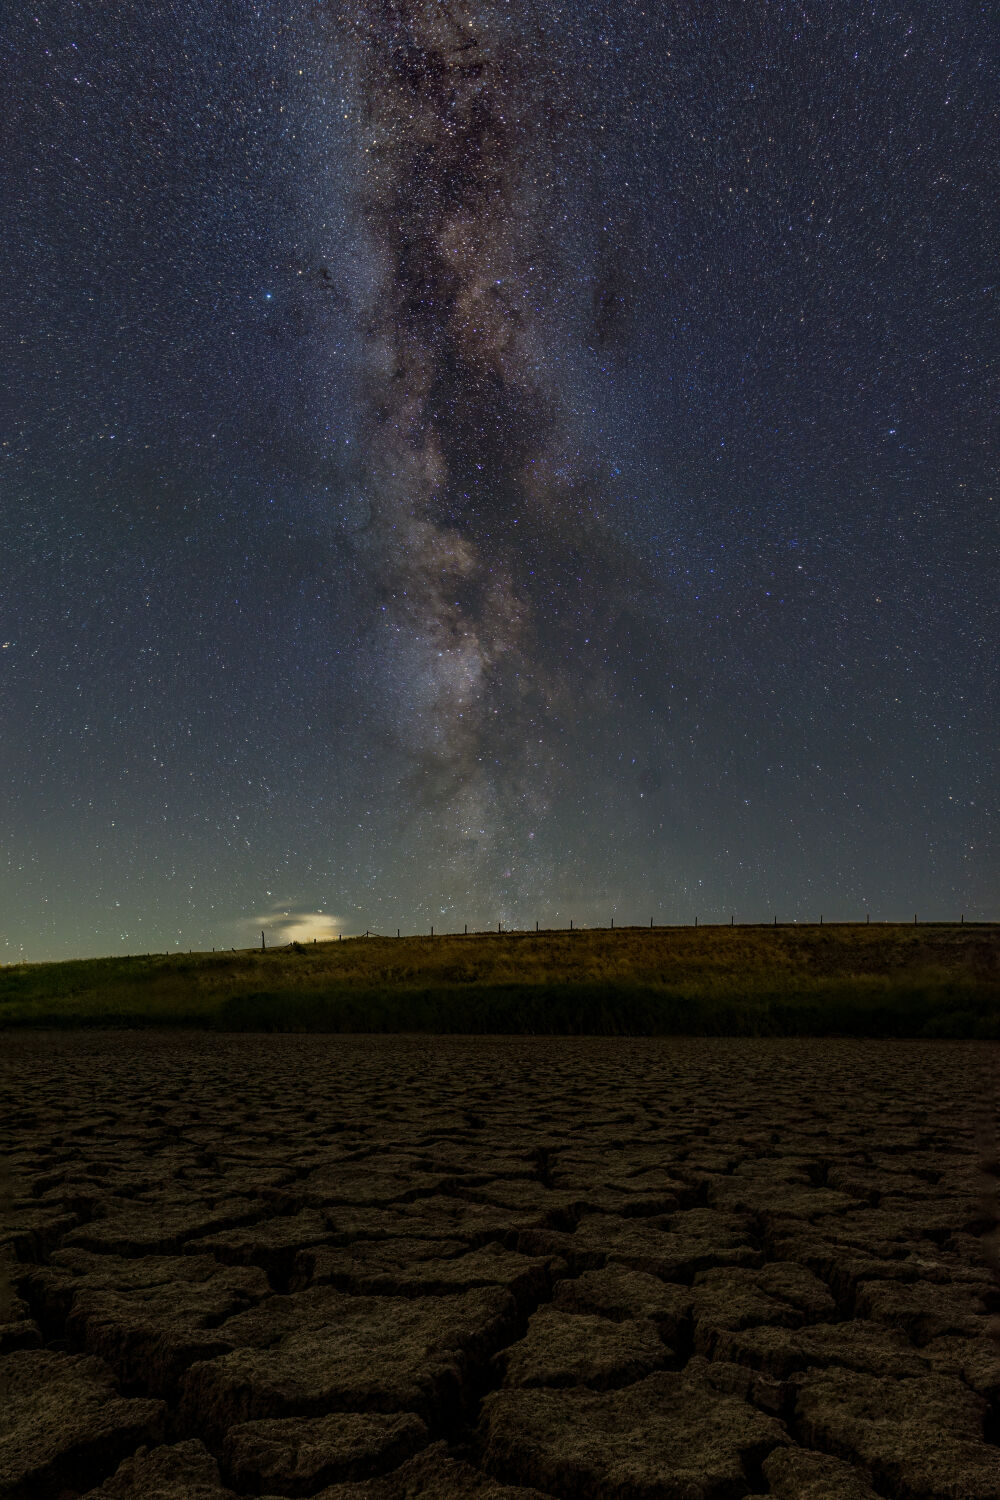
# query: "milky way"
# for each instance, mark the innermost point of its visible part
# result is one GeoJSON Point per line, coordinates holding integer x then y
{"type": "Point", "coordinates": [484, 526]}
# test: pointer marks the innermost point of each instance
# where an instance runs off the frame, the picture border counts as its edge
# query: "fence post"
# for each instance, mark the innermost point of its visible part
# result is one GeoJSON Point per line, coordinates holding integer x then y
{"type": "Point", "coordinates": [263, 945]}
{"type": "Point", "coordinates": [432, 930]}
{"type": "Point", "coordinates": [696, 921]}
{"type": "Point", "coordinates": [612, 924]}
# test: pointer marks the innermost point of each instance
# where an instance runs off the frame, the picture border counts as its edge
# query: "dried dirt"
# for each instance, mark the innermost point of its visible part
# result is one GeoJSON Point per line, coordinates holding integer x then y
{"type": "Point", "coordinates": [378, 1268]}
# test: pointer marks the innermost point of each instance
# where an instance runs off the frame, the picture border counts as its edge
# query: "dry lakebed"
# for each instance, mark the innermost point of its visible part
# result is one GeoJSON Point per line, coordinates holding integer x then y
{"type": "Point", "coordinates": [383, 1267]}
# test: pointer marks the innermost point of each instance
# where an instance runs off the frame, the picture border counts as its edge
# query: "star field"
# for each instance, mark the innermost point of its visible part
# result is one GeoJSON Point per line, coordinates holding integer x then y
{"type": "Point", "coordinates": [495, 462]}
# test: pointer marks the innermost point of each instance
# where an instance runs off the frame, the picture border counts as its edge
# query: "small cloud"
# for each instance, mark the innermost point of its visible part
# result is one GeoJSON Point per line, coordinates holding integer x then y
{"type": "Point", "coordinates": [287, 924]}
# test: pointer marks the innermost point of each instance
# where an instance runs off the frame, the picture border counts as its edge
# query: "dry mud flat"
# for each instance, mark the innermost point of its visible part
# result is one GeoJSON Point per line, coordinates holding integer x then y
{"type": "Point", "coordinates": [376, 1268]}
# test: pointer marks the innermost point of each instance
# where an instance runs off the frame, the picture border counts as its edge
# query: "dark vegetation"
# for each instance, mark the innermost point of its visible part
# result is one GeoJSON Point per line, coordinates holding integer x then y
{"type": "Point", "coordinates": [935, 980]}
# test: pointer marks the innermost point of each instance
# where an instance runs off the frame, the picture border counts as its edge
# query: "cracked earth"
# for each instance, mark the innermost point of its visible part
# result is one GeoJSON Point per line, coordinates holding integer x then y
{"type": "Point", "coordinates": [376, 1268]}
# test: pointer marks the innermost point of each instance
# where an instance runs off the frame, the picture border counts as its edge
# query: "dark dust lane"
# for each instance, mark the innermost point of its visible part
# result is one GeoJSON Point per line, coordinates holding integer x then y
{"type": "Point", "coordinates": [388, 1267]}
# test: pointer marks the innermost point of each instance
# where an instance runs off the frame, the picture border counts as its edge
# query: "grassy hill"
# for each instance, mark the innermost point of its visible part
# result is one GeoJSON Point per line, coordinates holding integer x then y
{"type": "Point", "coordinates": [933, 980]}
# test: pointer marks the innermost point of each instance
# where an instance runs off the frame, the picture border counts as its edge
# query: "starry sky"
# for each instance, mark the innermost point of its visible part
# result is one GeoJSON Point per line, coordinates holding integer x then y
{"type": "Point", "coordinates": [508, 461]}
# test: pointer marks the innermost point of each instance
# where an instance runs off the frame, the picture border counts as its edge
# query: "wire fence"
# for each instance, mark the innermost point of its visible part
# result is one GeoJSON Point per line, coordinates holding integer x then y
{"type": "Point", "coordinates": [632, 927]}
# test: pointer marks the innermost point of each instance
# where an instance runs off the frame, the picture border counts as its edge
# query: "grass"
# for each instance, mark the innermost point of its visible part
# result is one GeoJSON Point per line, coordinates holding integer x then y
{"type": "Point", "coordinates": [935, 980]}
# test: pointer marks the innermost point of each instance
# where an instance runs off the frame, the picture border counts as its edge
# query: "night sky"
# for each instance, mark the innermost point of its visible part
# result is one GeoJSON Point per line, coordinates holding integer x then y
{"type": "Point", "coordinates": [495, 462]}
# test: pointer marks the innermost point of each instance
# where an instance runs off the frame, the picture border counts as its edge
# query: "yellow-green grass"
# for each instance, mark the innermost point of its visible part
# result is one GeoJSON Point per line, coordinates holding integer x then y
{"type": "Point", "coordinates": [936, 979]}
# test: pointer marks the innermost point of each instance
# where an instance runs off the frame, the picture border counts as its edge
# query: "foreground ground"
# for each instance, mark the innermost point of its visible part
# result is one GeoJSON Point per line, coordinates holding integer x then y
{"type": "Point", "coordinates": [377, 1268]}
{"type": "Point", "coordinates": [888, 979]}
